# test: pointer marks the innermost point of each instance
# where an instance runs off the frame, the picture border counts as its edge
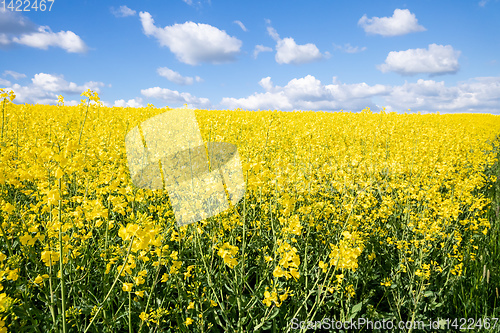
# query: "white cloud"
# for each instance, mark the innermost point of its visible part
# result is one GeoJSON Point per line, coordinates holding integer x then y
{"type": "Point", "coordinates": [288, 52]}
{"type": "Point", "coordinates": [131, 103]}
{"type": "Point", "coordinates": [267, 84]}
{"type": "Point", "coordinates": [308, 93]}
{"type": "Point", "coordinates": [193, 43]}
{"type": "Point", "coordinates": [123, 11]}
{"type": "Point", "coordinates": [175, 97]}
{"type": "Point", "coordinates": [54, 83]}
{"type": "Point", "coordinates": [348, 48]}
{"type": "Point", "coordinates": [483, 3]}
{"type": "Point", "coordinates": [261, 48]}
{"type": "Point", "coordinates": [45, 88]}
{"type": "Point", "coordinates": [15, 75]}
{"type": "Point", "coordinates": [402, 22]}
{"type": "Point", "coordinates": [435, 60]}
{"type": "Point", "coordinates": [44, 38]}
{"type": "Point", "coordinates": [176, 77]}
{"type": "Point", "coordinates": [48, 82]}
{"type": "Point", "coordinates": [242, 26]}
{"type": "Point", "coordinates": [189, 2]}
{"type": "Point", "coordinates": [15, 28]}
{"type": "Point", "coordinates": [4, 82]}
{"type": "Point", "coordinates": [273, 33]}
{"type": "Point", "coordinates": [480, 94]}
{"type": "Point", "coordinates": [305, 88]}
{"type": "Point", "coordinates": [74, 102]}
{"type": "Point", "coordinates": [275, 101]}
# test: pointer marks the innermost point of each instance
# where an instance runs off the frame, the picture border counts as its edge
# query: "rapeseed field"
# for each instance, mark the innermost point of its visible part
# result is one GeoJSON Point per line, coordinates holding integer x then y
{"type": "Point", "coordinates": [376, 215]}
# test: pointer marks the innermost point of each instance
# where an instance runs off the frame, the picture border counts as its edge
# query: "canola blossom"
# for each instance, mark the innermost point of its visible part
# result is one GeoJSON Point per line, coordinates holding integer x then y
{"type": "Point", "coordinates": [340, 215]}
{"type": "Point", "coordinates": [167, 152]}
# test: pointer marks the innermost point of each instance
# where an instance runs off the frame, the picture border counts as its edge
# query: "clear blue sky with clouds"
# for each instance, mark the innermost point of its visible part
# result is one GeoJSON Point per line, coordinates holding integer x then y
{"type": "Point", "coordinates": [421, 55]}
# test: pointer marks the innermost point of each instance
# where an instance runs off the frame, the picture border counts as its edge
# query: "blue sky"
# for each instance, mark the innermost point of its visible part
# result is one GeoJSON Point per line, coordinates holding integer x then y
{"type": "Point", "coordinates": [421, 55]}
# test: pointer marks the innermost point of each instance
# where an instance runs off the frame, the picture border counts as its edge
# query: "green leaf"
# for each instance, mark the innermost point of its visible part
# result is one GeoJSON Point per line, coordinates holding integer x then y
{"type": "Point", "coordinates": [355, 309]}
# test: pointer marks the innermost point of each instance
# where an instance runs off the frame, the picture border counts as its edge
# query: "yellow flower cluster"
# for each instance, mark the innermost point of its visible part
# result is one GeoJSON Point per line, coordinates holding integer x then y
{"type": "Point", "coordinates": [289, 262]}
{"type": "Point", "coordinates": [276, 297]}
{"type": "Point", "coordinates": [92, 96]}
{"type": "Point", "coordinates": [145, 236]}
{"type": "Point", "coordinates": [345, 255]}
{"type": "Point", "coordinates": [291, 225]}
{"type": "Point", "coordinates": [228, 253]}
{"type": "Point", "coordinates": [154, 316]}
{"type": "Point", "coordinates": [4, 95]}
{"type": "Point", "coordinates": [331, 192]}
{"type": "Point", "coordinates": [6, 303]}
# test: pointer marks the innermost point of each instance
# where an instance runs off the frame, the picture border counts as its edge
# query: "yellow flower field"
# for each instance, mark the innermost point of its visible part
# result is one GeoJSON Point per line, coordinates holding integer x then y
{"type": "Point", "coordinates": [382, 216]}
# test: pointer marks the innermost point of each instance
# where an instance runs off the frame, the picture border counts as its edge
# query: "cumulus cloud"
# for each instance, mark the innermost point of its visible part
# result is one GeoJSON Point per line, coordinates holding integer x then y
{"type": "Point", "coordinates": [402, 22]}
{"type": "Point", "coordinates": [348, 48]}
{"type": "Point", "coordinates": [44, 38]}
{"type": "Point", "coordinates": [261, 48]}
{"type": "Point", "coordinates": [123, 11]}
{"type": "Point", "coordinates": [275, 101]}
{"type": "Point", "coordinates": [52, 83]}
{"type": "Point", "coordinates": [15, 75]}
{"type": "Point", "coordinates": [480, 95]}
{"type": "Point", "coordinates": [15, 28]}
{"type": "Point", "coordinates": [193, 43]}
{"type": "Point", "coordinates": [308, 93]}
{"type": "Point", "coordinates": [242, 26]}
{"type": "Point", "coordinates": [267, 84]}
{"type": "Point", "coordinates": [289, 52]}
{"type": "Point", "coordinates": [174, 97]}
{"type": "Point", "coordinates": [45, 88]}
{"type": "Point", "coordinates": [435, 60]}
{"type": "Point", "coordinates": [175, 77]}
{"type": "Point", "coordinates": [131, 103]}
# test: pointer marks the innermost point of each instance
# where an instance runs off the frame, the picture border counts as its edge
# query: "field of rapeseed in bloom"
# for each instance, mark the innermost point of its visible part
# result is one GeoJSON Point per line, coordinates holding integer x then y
{"type": "Point", "coordinates": [381, 216]}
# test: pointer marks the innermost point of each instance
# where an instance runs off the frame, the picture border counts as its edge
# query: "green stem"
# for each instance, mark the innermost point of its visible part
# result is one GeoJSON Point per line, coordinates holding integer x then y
{"type": "Point", "coordinates": [6, 239]}
{"type": "Point", "coordinates": [152, 289]}
{"type": "Point", "coordinates": [129, 312]}
{"type": "Point", "coordinates": [113, 286]}
{"type": "Point", "coordinates": [61, 267]}
{"type": "Point", "coordinates": [211, 286]}
{"type": "Point", "coordinates": [52, 312]}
